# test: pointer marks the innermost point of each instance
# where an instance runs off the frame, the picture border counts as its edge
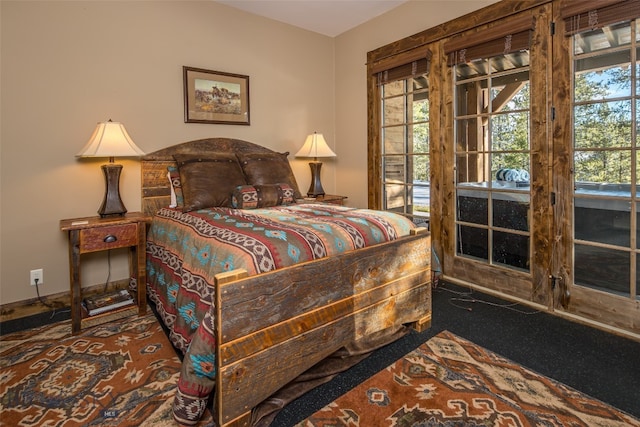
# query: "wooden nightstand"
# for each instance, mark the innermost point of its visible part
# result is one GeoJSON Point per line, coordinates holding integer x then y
{"type": "Point", "coordinates": [332, 198]}
{"type": "Point", "coordinates": [93, 234]}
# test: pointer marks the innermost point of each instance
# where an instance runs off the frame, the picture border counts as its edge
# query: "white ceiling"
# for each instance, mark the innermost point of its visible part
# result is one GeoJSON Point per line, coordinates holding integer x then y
{"type": "Point", "coordinates": [328, 17]}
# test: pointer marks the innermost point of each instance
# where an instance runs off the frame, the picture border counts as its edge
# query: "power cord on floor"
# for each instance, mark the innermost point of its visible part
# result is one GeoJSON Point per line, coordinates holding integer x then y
{"type": "Point", "coordinates": [465, 297]}
{"type": "Point", "coordinates": [46, 304]}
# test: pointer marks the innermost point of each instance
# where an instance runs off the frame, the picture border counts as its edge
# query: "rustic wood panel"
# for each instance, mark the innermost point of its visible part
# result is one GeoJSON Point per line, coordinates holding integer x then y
{"type": "Point", "coordinates": [276, 334]}
{"type": "Point", "coordinates": [260, 375]}
{"type": "Point", "coordinates": [255, 302]}
{"type": "Point", "coordinates": [374, 146]}
{"type": "Point", "coordinates": [540, 70]}
{"type": "Point", "coordinates": [439, 153]}
{"type": "Point", "coordinates": [505, 280]}
{"type": "Point", "coordinates": [446, 167]}
{"type": "Point", "coordinates": [561, 265]}
{"type": "Point", "coordinates": [605, 308]}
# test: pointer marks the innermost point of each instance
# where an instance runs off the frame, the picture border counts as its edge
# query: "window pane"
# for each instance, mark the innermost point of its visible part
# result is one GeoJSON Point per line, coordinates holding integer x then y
{"type": "Point", "coordinates": [602, 268]}
{"type": "Point", "coordinates": [473, 242]}
{"type": "Point", "coordinates": [510, 92]}
{"type": "Point", "coordinates": [510, 61]}
{"type": "Point", "coordinates": [472, 69]}
{"type": "Point", "coordinates": [472, 167]}
{"type": "Point", "coordinates": [473, 206]}
{"type": "Point", "coordinates": [394, 170]}
{"type": "Point", "coordinates": [421, 198]}
{"type": "Point", "coordinates": [638, 235]}
{"type": "Point", "coordinates": [420, 110]}
{"type": "Point", "coordinates": [469, 135]}
{"type": "Point", "coordinates": [603, 220]}
{"type": "Point", "coordinates": [602, 38]}
{"type": "Point", "coordinates": [393, 110]}
{"type": "Point", "coordinates": [470, 97]}
{"type": "Point", "coordinates": [393, 88]}
{"type": "Point", "coordinates": [604, 76]}
{"type": "Point", "coordinates": [603, 166]}
{"type": "Point", "coordinates": [394, 138]}
{"type": "Point", "coordinates": [511, 249]}
{"type": "Point", "coordinates": [603, 125]}
{"type": "Point", "coordinates": [511, 210]}
{"type": "Point", "coordinates": [637, 67]}
{"type": "Point", "coordinates": [637, 295]}
{"type": "Point", "coordinates": [395, 196]}
{"type": "Point", "coordinates": [516, 163]}
{"type": "Point", "coordinates": [510, 131]}
{"type": "Point", "coordinates": [421, 168]}
{"type": "Point", "coordinates": [421, 138]}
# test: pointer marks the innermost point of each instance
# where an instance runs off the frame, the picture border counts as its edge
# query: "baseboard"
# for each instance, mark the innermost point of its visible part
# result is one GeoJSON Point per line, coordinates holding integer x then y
{"type": "Point", "coordinates": [34, 306]}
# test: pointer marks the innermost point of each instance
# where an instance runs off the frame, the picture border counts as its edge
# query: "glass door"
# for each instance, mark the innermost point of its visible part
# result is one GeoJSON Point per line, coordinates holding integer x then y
{"type": "Point", "coordinates": [605, 113]}
{"type": "Point", "coordinates": [499, 220]}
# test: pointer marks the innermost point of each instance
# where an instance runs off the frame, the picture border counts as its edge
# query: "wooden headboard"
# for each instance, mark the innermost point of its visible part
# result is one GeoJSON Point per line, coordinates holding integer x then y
{"type": "Point", "coordinates": [156, 192]}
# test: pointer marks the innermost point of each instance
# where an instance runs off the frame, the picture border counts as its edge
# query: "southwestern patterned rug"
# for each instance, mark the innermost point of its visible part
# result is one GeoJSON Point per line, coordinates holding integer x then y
{"type": "Point", "coordinates": [118, 374]}
{"type": "Point", "coordinates": [449, 381]}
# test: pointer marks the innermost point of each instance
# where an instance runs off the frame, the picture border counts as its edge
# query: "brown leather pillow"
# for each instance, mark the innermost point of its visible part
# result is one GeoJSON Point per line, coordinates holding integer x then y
{"type": "Point", "coordinates": [268, 168]}
{"type": "Point", "coordinates": [208, 179]}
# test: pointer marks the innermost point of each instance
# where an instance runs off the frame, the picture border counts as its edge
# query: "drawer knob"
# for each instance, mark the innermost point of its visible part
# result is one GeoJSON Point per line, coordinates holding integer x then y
{"type": "Point", "coordinates": [110, 238]}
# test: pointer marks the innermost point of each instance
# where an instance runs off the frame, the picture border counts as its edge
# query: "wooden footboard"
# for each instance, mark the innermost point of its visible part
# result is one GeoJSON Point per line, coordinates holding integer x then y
{"type": "Point", "coordinates": [268, 334]}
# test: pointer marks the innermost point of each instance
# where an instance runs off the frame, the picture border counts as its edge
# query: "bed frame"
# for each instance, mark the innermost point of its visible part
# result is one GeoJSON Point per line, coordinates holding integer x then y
{"type": "Point", "coordinates": [261, 346]}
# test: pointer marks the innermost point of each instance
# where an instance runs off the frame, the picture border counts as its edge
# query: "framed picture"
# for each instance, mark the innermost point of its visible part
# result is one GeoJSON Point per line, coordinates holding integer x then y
{"type": "Point", "coordinates": [215, 97]}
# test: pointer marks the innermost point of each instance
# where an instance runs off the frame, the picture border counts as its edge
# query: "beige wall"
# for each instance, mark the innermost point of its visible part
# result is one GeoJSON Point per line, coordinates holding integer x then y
{"type": "Point", "coordinates": [67, 65]}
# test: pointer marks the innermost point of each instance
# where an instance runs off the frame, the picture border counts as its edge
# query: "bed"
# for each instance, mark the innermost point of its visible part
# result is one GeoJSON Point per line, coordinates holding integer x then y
{"type": "Point", "coordinates": [257, 333]}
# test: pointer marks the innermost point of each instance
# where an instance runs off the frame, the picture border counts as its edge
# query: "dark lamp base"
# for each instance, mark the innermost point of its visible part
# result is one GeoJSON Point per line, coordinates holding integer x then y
{"type": "Point", "coordinates": [112, 204]}
{"type": "Point", "coordinates": [315, 189]}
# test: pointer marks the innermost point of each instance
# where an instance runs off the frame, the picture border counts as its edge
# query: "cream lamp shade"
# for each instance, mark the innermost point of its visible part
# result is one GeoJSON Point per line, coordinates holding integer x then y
{"type": "Point", "coordinates": [315, 146]}
{"type": "Point", "coordinates": [110, 139]}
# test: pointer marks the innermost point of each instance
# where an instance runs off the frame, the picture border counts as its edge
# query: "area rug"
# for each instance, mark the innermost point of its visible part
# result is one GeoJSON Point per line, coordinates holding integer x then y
{"type": "Point", "coordinates": [117, 374]}
{"type": "Point", "coordinates": [449, 381]}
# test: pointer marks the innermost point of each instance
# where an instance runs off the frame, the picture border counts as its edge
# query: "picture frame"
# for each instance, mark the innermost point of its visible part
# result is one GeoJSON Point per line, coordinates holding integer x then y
{"type": "Point", "coordinates": [215, 97]}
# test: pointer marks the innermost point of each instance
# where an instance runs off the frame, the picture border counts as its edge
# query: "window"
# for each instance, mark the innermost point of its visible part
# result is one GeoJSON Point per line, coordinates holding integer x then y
{"type": "Point", "coordinates": [605, 120]}
{"type": "Point", "coordinates": [404, 133]}
{"type": "Point", "coordinates": [405, 146]}
{"type": "Point", "coordinates": [492, 149]}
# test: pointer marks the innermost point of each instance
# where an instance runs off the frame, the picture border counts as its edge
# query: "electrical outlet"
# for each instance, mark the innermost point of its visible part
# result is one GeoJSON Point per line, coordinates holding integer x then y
{"type": "Point", "coordinates": [37, 274]}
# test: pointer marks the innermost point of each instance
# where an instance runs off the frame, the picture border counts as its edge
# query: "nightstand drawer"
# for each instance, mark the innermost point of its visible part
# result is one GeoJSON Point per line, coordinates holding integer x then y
{"type": "Point", "coordinates": [103, 238]}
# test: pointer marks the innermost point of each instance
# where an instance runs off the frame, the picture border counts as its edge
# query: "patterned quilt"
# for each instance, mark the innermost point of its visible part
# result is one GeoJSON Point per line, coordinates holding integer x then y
{"type": "Point", "coordinates": [186, 250]}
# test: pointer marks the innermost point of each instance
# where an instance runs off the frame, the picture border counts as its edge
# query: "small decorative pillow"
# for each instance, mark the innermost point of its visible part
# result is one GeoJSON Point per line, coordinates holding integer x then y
{"type": "Point", "coordinates": [268, 168]}
{"type": "Point", "coordinates": [177, 200]}
{"type": "Point", "coordinates": [262, 196]}
{"type": "Point", "coordinates": [208, 179]}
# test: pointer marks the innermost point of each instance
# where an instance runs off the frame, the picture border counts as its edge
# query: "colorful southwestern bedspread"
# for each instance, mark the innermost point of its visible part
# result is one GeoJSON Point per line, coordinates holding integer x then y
{"type": "Point", "coordinates": [186, 250]}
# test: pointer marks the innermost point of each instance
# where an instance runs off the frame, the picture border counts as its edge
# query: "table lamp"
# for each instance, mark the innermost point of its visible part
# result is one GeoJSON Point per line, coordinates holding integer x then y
{"type": "Point", "coordinates": [110, 139]}
{"type": "Point", "coordinates": [315, 146]}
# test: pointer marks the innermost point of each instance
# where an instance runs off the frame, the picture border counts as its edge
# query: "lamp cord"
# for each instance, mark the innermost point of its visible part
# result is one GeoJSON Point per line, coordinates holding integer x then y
{"type": "Point", "coordinates": [46, 304]}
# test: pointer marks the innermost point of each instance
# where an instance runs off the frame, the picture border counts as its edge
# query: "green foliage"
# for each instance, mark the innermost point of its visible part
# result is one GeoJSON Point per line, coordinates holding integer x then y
{"type": "Point", "coordinates": [602, 126]}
